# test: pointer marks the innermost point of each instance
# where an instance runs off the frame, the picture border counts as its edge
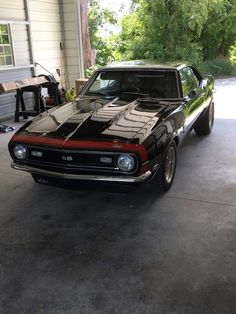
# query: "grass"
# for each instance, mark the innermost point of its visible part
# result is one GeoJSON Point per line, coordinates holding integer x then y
{"type": "Point", "coordinates": [218, 68]}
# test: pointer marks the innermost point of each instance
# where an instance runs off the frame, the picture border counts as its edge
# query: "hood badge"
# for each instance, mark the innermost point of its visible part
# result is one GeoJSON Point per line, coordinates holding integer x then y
{"type": "Point", "coordinates": [67, 158]}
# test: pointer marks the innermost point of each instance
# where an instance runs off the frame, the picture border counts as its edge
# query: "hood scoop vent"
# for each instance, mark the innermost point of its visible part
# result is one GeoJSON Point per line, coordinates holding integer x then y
{"type": "Point", "coordinates": [148, 101]}
{"type": "Point", "coordinates": [149, 104]}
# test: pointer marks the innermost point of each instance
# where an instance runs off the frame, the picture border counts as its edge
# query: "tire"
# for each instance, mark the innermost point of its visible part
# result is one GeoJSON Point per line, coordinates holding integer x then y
{"type": "Point", "coordinates": [166, 173]}
{"type": "Point", "coordinates": [205, 124]}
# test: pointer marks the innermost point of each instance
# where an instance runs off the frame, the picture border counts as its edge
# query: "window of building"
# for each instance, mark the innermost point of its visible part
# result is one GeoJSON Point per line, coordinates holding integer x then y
{"type": "Point", "coordinates": [6, 55]}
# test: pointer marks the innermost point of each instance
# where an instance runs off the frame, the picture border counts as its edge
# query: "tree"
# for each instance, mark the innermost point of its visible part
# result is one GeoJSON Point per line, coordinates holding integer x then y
{"type": "Point", "coordinates": [85, 34]}
{"type": "Point", "coordinates": [220, 33]}
{"type": "Point", "coordinates": [97, 18]}
{"type": "Point", "coordinates": [183, 29]}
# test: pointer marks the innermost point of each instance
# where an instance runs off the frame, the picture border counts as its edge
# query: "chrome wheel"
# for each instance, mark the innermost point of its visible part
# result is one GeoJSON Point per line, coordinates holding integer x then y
{"type": "Point", "coordinates": [166, 173]}
{"type": "Point", "coordinates": [170, 163]}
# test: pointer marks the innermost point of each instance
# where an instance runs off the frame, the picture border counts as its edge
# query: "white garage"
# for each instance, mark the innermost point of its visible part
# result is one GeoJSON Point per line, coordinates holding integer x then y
{"type": "Point", "coordinates": [35, 33]}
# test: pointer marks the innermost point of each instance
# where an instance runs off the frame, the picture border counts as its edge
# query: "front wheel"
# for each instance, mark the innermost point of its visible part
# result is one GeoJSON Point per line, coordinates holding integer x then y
{"type": "Point", "coordinates": [205, 124]}
{"type": "Point", "coordinates": [166, 173]}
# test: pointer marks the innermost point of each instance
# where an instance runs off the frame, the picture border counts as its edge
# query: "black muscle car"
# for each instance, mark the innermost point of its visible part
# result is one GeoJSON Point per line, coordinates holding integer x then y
{"type": "Point", "coordinates": [125, 126]}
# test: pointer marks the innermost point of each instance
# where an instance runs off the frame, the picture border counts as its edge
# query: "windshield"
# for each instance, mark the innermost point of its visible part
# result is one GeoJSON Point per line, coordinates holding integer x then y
{"type": "Point", "coordinates": [156, 84]}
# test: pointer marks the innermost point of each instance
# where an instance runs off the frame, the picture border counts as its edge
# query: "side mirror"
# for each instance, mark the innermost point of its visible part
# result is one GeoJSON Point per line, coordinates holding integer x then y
{"type": "Point", "coordinates": [204, 84]}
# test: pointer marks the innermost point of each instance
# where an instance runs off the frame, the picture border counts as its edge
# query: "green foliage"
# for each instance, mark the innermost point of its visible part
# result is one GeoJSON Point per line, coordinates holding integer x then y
{"type": "Point", "coordinates": [97, 17]}
{"type": "Point", "coordinates": [232, 53]}
{"type": "Point", "coordinates": [218, 67]}
{"type": "Point", "coordinates": [89, 71]}
{"type": "Point", "coordinates": [220, 32]}
{"type": "Point", "coordinates": [178, 29]}
{"type": "Point", "coordinates": [202, 32]}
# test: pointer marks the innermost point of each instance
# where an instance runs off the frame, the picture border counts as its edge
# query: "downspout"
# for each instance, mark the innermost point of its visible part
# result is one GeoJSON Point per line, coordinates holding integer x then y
{"type": "Point", "coordinates": [79, 40]}
{"type": "Point", "coordinates": [31, 50]}
{"type": "Point", "coordinates": [62, 44]}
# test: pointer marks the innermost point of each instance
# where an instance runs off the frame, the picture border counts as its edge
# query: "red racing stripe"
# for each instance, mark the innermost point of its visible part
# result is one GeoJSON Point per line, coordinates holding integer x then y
{"type": "Point", "coordinates": [78, 144]}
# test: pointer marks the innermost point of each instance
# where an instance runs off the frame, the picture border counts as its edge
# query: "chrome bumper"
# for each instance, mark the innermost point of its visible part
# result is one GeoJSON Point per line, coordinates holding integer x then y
{"type": "Point", "coordinates": [126, 179]}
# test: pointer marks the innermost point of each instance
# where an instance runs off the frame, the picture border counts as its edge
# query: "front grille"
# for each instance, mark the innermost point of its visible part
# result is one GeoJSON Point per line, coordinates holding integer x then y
{"type": "Point", "coordinates": [71, 159]}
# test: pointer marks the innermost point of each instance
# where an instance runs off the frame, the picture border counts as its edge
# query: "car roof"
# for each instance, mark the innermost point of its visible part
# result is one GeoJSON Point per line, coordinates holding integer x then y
{"type": "Point", "coordinates": [144, 64]}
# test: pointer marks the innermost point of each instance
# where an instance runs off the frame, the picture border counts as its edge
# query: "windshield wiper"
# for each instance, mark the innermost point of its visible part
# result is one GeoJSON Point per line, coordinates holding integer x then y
{"type": "Point", "coordinates": [97, 93]}
{"type": "Point", "coordinates": [148, 100]}
{"type": "Point", "coordinates": [134, 93]}
{"type": "Point", "coordinates": [106, 96]}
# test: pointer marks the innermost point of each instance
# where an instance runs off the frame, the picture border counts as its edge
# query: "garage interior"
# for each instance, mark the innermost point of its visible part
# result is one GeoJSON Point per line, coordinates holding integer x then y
{"type": "Point", "coordinates": [65, 251]}
{"type": "Point", "coordinates": [100, 250]}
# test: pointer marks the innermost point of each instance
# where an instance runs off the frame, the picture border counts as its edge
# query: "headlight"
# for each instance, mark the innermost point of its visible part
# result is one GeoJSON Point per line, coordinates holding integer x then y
{"type": "Point", "coordinates": [125, 162]}
{"type": "Point", "coordinates": [20, 152]}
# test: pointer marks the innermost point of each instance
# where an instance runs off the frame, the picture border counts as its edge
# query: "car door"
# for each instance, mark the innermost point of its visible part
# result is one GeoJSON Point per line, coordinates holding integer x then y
{"type": "Point", "coordinates": [192, 94]}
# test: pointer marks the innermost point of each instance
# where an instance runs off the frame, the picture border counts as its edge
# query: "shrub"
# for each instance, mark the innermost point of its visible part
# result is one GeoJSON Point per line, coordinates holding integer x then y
{"type": "Point", "coordinates": [218, 67]}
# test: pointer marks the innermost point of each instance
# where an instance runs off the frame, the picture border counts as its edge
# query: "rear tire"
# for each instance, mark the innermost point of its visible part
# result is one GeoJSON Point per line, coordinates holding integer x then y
{"type": "Point", "coordinates": [205, 124]}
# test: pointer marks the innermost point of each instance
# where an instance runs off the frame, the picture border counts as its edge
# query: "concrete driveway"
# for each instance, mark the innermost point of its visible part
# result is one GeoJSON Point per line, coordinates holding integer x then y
{"type": "Point", "coordinates": [65, 251]}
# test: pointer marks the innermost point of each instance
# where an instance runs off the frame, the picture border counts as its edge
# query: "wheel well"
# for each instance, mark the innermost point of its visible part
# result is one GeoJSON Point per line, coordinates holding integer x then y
{"type": "Point", "coordinates": [176, 139]}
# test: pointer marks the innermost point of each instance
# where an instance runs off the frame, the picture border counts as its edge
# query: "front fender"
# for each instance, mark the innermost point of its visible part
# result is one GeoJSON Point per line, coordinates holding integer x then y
{"type": "Point", "coordinates": [160, 140]}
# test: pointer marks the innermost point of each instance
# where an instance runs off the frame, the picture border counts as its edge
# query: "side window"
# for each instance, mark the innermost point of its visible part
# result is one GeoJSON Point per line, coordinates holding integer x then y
{"type": "Point", "coordinates": [6, 55]}
{"type": "Point", "coordinates": [189, 80]}
{"type": "Point", "coordinates": [193, 78]}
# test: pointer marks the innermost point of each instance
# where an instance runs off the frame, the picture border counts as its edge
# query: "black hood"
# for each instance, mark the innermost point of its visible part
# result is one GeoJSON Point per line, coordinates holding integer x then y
{"type": "Point", "coordinates": [100, 119]}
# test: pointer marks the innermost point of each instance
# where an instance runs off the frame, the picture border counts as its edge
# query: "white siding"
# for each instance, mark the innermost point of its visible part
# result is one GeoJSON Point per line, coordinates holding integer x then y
{"type": "Point", "coordinates": [12, 10]}
{"type": "Point", "coordinates": [71, 40]}
{"type": "Point", "coordinates": [20, 44]}
{"type": "Point", "coordinates": [9, 11]}
{"type": "Point", "coordinates": [46, 35]}
{"type": "Point", "coordinates": [47, 31]}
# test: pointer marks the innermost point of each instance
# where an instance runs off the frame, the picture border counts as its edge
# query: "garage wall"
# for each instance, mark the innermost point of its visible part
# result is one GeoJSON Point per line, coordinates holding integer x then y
{"type": "Point", "coordinates": [46, 32]}
{"type": "Point", "coordinates": [55, 37]}
{"type": "Point", "coordinates": [72, 49]}
{"type": "Point", "coordinates": [12, 10]}
{"type": "Point", "coordinates": [46, 35]}
{"type": "Point", "coordinates": [13, 14]}
{"type": "Point", "coordinates": [20, 44]}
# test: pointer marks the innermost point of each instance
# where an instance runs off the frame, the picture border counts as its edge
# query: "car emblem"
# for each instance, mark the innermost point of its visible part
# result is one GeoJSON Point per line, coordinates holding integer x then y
{"type": "Point", "coordinates": [67, 158]}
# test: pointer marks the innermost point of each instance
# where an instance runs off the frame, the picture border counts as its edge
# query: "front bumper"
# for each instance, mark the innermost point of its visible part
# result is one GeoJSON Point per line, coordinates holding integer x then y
{"type": "Point", "coordinates": [126, 179]}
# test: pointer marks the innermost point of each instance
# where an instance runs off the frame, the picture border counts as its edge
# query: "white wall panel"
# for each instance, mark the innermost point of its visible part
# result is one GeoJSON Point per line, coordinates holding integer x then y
{"type": "Point", "coordinates": [12, 5]}
{"type": "Point", "coordinates": [9, 11]}
{"type": "Point", "coordinates": [12, 10]}
{"type": "Point", "coordinates": [43, 45]}
{"type": "Point", "coordinates": [20, 44]}
{"type": "Point", "coordinates": [39, 36]}
{"type": "Point", "coordinates": [42, 6]}
{"type": "Point", "coordinates": [70, 27]}
{"type": "Point", "coordinates": [45, 27]}
{"type": "Point", "coordinates": [46, 34]}
{"type": "Point", "coordinates": [71, 40]}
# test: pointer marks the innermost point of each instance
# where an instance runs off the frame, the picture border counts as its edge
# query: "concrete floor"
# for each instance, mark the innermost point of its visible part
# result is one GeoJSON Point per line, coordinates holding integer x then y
{"type": "Point", "coordinates": [65, 251]}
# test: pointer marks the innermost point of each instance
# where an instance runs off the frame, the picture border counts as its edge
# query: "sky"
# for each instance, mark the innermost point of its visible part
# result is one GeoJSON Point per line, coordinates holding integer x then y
{"type": "Point", "coordinates": [115, 5]}
{"type": "Point", "coordinates": [120, 7]}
